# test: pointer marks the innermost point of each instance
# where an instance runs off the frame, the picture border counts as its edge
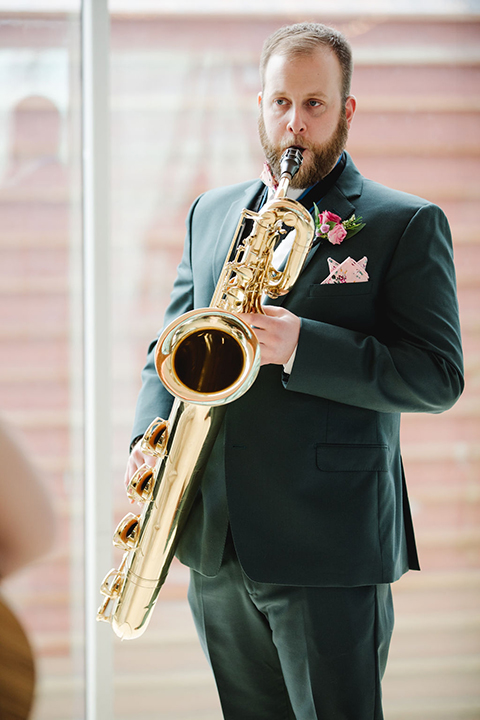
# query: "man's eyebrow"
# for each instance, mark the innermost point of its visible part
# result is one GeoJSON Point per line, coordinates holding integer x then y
{"type": "Point", "coordinates": [282, 93]}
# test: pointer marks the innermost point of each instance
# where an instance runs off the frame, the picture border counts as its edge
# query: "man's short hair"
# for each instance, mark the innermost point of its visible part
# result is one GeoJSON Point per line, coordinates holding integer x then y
{"type": "Point", "coordinates": [303, 39]}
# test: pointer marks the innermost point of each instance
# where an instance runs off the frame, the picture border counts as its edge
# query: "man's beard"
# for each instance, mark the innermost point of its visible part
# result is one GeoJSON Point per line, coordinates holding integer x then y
{"type": "Point", "coordinates": [323, 160]}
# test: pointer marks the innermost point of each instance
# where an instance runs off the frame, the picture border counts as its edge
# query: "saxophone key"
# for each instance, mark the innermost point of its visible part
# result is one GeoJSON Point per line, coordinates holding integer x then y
{"type": "Point", "coordinates": [112, 584]}
{"type": "Point", "coordinates": [140, 487]}
{"type": "Point", "coordinates": [154, 441]}
{"type": "Point", "coordinates": [127, 532]}
{"type": "Point", "coordinates": [106, 610]}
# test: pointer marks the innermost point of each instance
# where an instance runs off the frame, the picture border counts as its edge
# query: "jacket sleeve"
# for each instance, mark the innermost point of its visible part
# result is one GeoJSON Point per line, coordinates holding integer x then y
{"type": "Point", "coordinates": [154, 400]}
{"type": "Point", "coordinates": [414, 362]}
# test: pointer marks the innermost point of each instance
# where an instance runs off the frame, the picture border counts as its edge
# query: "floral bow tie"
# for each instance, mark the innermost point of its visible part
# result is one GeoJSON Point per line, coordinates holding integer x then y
{"type": "Point", "coordinates": [268, 178]}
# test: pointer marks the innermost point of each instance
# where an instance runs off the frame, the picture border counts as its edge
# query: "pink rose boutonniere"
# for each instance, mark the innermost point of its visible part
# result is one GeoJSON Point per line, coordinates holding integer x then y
{"type": "Point", "coordinates": [331, 226]}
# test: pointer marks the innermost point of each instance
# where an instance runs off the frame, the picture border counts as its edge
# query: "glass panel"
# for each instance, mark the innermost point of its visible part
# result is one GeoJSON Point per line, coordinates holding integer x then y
{"type": "Point", "coordinates": [41, 350]}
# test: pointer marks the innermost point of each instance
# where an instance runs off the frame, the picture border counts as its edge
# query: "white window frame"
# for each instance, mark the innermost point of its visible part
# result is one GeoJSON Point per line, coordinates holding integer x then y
{"type": "Point", "coordinates": [99, 681]}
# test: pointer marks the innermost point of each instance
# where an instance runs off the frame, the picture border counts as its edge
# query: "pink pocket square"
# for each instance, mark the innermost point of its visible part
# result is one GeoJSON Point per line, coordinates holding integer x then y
{"type": "Point", "coordinates": [348, 271]}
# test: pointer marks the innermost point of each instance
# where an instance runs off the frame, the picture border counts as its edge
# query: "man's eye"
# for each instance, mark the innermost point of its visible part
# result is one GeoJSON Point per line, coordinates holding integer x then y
{"type": "Point", "coordinates": [314, 103]}
{"type": "Point", "coordinates": [279, 101]}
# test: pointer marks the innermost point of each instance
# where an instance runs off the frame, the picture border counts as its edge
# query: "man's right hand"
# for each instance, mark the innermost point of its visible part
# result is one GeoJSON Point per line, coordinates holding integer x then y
{"type": "Point", "coordinates": [137, 459]}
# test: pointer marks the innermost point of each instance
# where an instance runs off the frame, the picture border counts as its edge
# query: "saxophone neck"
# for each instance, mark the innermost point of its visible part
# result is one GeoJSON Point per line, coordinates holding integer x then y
{"type": "Point", "coordinates": [289, 165]}
{"type": "Point", "coordinates": [282, 187]}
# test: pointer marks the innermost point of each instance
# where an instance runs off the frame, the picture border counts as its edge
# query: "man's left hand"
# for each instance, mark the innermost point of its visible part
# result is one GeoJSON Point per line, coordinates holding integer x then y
{"type": "Point", "coordinates": [277, 331]}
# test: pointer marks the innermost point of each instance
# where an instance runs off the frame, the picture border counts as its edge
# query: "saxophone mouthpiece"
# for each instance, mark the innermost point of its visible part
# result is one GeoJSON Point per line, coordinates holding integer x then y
{"type": "Point", "coordinates": [291, 160]}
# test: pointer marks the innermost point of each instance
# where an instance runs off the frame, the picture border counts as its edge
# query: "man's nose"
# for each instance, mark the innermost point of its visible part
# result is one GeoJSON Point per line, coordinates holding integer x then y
{"type": "Point", "coordinates": [296, 122]}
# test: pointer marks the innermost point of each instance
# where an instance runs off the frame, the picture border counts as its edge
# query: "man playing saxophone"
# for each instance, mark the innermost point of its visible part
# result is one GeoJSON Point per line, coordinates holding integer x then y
{"type": "Point", "coordinates": [302, 519]}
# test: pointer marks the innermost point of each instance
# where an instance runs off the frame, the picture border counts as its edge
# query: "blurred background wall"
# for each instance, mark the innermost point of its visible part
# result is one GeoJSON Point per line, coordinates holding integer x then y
{"type": "Point", "coordinates": [183, 119]}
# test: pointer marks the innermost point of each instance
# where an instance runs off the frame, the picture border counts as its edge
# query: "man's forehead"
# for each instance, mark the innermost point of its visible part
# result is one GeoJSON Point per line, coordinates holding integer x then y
{"type": "Point", "coordinates": [319, 68]}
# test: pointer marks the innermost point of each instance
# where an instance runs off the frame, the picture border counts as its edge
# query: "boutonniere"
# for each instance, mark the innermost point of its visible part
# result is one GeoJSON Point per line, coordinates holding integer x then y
{"type": "Point", "coordinates": [331, 226]}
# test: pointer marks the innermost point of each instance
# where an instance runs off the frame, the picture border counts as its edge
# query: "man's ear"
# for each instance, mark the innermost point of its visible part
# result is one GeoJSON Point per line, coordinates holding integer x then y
{"type": "Point", "coordinates": [259, 99]}
{"type": "Point", "coordinates": [350, 107]}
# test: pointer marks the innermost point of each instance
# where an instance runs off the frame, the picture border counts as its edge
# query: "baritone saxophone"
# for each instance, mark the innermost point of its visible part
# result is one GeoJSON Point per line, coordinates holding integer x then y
{"type": "Point", "coordinates": [206, 359]}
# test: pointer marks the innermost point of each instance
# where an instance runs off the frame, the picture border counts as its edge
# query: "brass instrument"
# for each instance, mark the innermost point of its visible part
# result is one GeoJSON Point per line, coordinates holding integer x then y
{"type": "Point", "coordinates": [206, 358]}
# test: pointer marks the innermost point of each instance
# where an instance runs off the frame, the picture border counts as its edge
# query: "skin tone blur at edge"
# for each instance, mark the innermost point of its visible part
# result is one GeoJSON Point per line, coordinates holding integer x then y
{"type": "Point", "coordinates": [27, 530]}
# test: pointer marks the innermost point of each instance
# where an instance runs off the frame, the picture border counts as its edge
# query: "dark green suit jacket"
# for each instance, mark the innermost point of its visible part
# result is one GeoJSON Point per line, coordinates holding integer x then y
{"type": "Point", "coordinates": [307, 468]}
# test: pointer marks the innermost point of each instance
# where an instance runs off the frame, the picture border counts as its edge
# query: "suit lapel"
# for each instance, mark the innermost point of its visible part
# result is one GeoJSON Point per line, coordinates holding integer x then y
{"type": "Point", "coordinates": [339, 200]}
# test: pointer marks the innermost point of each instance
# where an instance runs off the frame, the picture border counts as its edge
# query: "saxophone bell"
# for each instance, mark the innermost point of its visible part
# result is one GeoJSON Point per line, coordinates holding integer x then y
{"type": "Point", "coordinates": [207, 357]}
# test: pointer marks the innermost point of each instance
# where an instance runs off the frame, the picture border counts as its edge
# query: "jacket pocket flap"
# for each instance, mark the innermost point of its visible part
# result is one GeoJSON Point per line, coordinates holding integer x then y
{"type": "Point", "coordinates": [352, 458]}
{"type": "Point", "coordinates": [340, 289]}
